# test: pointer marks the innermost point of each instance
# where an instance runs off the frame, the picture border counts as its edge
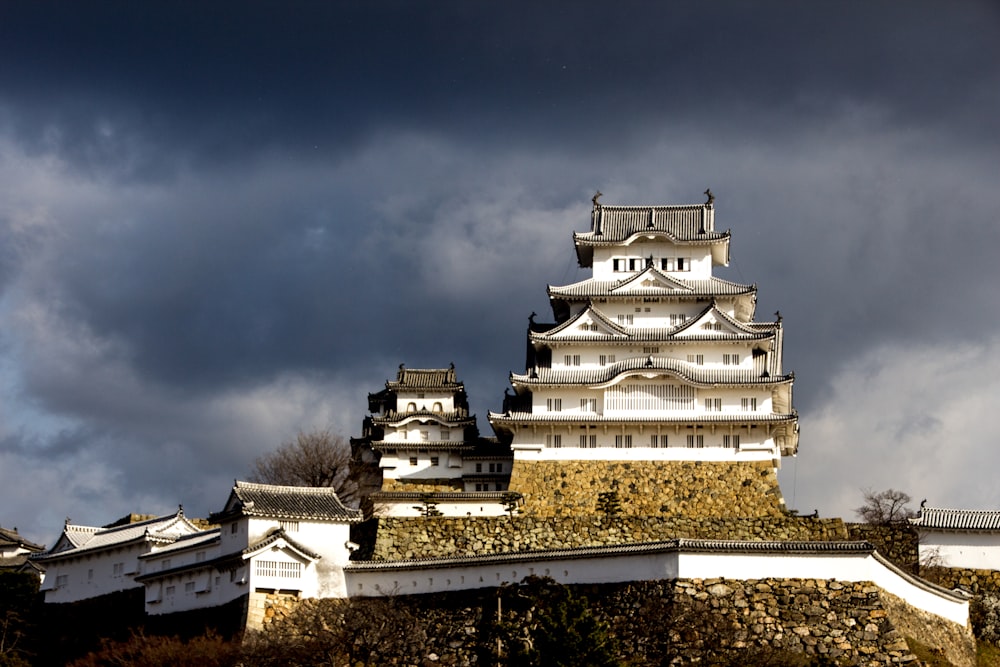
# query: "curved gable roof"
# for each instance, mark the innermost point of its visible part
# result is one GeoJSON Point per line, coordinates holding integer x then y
{"type": "Point", "coordinates": [287, 502]}
{"type": "Point", "coordinates": [668, 286]}
{"type": "Point", "coordinates": [615, 225]}
{"type": "Point", "coordinates": [690, 373]}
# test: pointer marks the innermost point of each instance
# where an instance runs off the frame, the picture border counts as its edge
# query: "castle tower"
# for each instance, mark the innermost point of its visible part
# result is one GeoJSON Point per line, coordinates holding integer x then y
{"type": "Point", "coordinates": [654, 387]}
{"type": "Point", "coordinates": [429, 450]}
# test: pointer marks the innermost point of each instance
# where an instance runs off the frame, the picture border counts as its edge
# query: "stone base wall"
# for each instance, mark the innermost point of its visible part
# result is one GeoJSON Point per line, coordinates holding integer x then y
{"type": "Point", "coordinates": [899, 543]}
{"type": "Point", "coordinates": [429, 537]}
{"type": "Point", "coordinates": [437, 486]}
{"type": "Point", "coordinates": [646, 488]}
{"type": "Point", "coordinates": [668, 622]}
{"type": "Point", "coordinates": [974, 581]}
{"type": "Point", "coordinates": [265, 607]}
{"type": "Point", "coordinates": [984, 609]}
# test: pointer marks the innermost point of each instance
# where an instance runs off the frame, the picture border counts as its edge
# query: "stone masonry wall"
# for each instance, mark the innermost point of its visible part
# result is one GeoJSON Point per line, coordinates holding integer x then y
{"type": "Point", "coordinates": [897, 542]}
{"type": "Point", "coordinates": [984, 609]}
{"type": "Point", "coordinates": [673, 622]}
{"type": "Point", "coordinates": [422, 487]}
{"type": "Point", "coordinates": [645, 488]}
{"type": "Point", "coordinates": [266, 607]}
{"type": "Point", "coordinates": [423, 537]}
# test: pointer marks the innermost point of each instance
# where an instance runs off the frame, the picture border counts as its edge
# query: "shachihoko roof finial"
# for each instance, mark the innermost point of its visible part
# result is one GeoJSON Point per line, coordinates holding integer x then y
{"type": "Point", "coordinates": [711, 197]}
{"type": "Point", "coordinates": [597, 195]}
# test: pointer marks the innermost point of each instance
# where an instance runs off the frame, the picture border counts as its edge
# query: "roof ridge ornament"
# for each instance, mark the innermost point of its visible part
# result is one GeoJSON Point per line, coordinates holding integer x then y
{"type": "Point", "coordinates": [711, 198]}
{"type": "Point", "coordinates": [597, 214]}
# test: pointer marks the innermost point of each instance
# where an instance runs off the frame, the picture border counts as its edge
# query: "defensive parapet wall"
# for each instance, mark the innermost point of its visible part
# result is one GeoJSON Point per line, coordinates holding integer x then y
{"type": "Point", "coordinates": [682, 621]}
{"type": "Point", "coordinates": [437, 537]}
{"type": "Point", "coordinates": [427, 486]}
{"type": "Point", "coordinates": [695, 489]}
{"type": "Point", "coordinates": [898, 542]}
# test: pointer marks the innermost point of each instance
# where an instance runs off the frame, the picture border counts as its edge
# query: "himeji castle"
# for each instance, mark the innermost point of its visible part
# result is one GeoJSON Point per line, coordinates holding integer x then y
{"type": "Point", "coordinates": [641, 442]}
{"type": "Point", "coordinates": [651, 365]}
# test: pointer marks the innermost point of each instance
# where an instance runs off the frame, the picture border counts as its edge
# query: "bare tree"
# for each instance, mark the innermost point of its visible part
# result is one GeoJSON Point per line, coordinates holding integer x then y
{"type": "Point", "coordinates": [884, 508]}
{"type": "Point", "coordinates": [314, 458]}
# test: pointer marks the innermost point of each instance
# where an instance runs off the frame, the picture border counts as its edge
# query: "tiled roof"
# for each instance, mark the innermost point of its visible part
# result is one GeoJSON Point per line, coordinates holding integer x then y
{"type": "Point", "coordinates": [665, 546]}
{"type": "Point", "coordinates": [411, 379]}
{"type": "Point", "coordinates": [697, 375]}
{"type": "Point", "coordinates": [953, 519]}
{"type": "Point", "coordinates": [591, 288]}
{"type": "Point", "coordinates": [289, 502]}
{"type": "Point", "coordinates": [625, 334]}
{"type": "Point", "coordinates": [614, 224]}
{"type": "Point", "coordinates": [274, 536]}
{"type": "Point", "coordinates": [9, 537]}
{"type": "Point", "coordinates": [185, 542]}
{"type": "Point", "coordinates": [162, 530]}
{"type": "Point", "coordinates": [452, 496]}
{"type": "Point", "coordinates": [460, 417]}
{"type": "Point", "coordinates": [498, 418]}
{"type": "Point", "coordinates": [414, 445]}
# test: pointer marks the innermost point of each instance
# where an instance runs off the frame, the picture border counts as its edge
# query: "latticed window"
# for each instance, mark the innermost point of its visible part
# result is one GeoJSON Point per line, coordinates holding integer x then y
{"type": "Point", "coordinates": [713, 404]}
{"type": "Point", "coordinates": [731, 359]}
{"type": "Point", "coordinates": [277, 568]}
{"type": "Point", "coordinates": [588, 405]}
{"type": "Point", "coordinates": [649, 397]}
{"type": "Point", "coordinates": [731, 441]}
{"type": "Point", "coordinates": [696, 441]}
{"type": "Point", "coordinates": [607, 359]}
{"type": "Point", "coordinates": [588, 441]}
{"type": "Point", "coordinates": [553, 440]}
{"type": "Point", "coordinates": [623, 441]}
{"type": "Point", "coordinates": [696, 359]}
{"type": "Point", "coordinates": [572, 359]}
{"type": "Point", "coordinates": [658, 441]}
{"type": "Point", "coordinates": [748, 404]}
{"type": "Point", "coordinates": [553, 404]}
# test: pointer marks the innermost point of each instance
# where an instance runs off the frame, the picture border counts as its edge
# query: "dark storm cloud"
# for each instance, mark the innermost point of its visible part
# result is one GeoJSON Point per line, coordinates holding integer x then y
{"type": "Point", "coordinates": [223, 224]}
{"type": "Point", "coordinates": [142, 89]}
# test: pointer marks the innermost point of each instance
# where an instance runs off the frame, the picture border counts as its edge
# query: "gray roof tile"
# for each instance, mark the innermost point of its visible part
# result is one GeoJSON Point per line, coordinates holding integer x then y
{"type": "Point", "coordinates": [697, 375]}
{"type": "Point", "coordinates": [288, 502]}
{"type": "Point", "coordinates": [955, 519]}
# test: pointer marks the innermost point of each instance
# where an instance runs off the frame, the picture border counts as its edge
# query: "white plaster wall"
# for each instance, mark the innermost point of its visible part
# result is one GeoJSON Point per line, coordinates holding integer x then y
{"type": "Point", "coordinates": [411, 509]}
{"type": "Point", "coordinates": [752, 438]}
{"type": "Point", "coordinates": [529, 450]}
{"type": "Point", "coordinates": [234, 535]}
{"type": "Point", "coordinates": [641, 248]}
{"type": "Point", "coordinates": [328, 539]}
{"type": "Point", "coordinates": [446, 399]}
{"type": "Point", "coordinates": [666, 565]}
{"type": "Point", "coordinates": [980, 551]}
{"type": "Point", "coordinates": [411, 432]}
{"type": "Point", "coordinates": [464, 577]}
{"type": "Point", "coordinates": [92, 574]}
{"type": "Point", "coordinates": [222, 587]}
{"type": "Point", "coordinates": [397, 466]}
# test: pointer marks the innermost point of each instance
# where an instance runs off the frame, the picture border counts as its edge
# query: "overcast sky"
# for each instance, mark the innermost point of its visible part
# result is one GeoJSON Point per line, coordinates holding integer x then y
{"type": "Point", "coordinates": [221, 223]}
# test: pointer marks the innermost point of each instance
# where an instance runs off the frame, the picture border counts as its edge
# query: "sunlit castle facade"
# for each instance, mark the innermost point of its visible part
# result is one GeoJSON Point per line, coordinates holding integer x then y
{"type": "Point", "coordinates": [652, 360]}
{"type": "Point", "coordinates": [429, 450]}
